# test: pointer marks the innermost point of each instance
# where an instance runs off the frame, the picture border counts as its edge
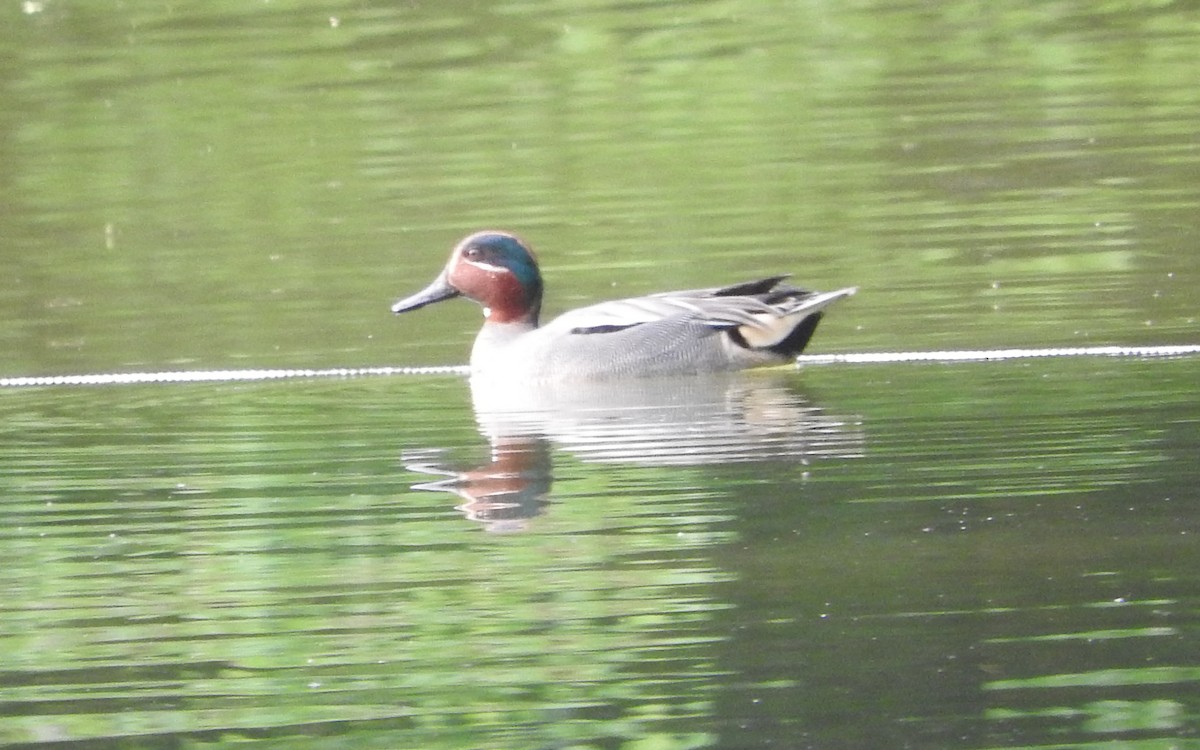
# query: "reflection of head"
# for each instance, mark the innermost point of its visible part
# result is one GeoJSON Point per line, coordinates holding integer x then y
{"type": "Point", "coordinates": [505, 492]}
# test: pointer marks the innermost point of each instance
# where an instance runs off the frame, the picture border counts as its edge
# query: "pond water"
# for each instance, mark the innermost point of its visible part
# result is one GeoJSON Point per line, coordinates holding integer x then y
{"type": "Point", "coordinates": [944, 555]}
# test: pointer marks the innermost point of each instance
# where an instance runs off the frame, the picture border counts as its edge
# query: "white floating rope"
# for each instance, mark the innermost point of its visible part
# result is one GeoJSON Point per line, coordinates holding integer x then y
{"type": "Point", "coordinates": [227, 376]}
{"type": "Point", "coordinates": [222, 376]}
{"type": "Point", "coordinates": [981, 355]}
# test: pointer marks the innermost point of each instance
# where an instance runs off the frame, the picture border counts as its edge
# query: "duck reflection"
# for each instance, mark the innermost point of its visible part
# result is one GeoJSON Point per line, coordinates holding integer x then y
{"type": "Point", "coordinates": [503, 493]}
{"type": "Point", "coordinates": [698, 421]}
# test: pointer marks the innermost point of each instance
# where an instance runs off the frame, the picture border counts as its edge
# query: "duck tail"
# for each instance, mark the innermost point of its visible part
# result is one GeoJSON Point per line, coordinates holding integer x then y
{"type": "Point", "coordinates": [787, 333]}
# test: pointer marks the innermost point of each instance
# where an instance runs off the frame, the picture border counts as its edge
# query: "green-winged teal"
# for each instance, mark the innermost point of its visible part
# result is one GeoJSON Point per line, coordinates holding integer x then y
{"type": "Point", "coordinates": [754, 323]}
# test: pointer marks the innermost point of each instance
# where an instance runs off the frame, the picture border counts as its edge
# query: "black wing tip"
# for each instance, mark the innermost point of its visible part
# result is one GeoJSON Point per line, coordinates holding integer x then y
{"type": "Point", "coordinates": [752, 288]}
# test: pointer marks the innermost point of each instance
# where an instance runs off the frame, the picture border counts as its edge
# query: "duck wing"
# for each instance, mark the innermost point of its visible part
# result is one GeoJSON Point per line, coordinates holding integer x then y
{"type": "Point", "coordinates": [618, 315]}
{"type": "Point", "coordinates": [757, 306]}
{"type": "Point", "coordinates": [716, 307]}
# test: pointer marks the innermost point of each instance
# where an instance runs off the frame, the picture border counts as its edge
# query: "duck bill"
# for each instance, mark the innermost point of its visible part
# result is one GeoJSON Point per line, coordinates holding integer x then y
{"type": "Point", "coordinates": [439, 290]}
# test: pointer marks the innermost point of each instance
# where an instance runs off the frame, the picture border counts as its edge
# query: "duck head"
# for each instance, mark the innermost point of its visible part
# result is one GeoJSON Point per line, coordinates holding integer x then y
{"type": "Point", "coordinates": [495, 269]}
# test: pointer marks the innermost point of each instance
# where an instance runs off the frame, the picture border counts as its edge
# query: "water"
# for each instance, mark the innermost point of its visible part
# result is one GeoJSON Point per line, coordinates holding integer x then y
{"type": "Point", "coordinates": [276, 562]}
{"type": "Point", "coordinates": [892, 554]}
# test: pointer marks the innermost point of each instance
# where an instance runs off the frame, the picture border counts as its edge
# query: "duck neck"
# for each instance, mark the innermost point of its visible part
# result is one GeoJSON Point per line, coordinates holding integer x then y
{"type": "Point", "coordinates": [512, 319]}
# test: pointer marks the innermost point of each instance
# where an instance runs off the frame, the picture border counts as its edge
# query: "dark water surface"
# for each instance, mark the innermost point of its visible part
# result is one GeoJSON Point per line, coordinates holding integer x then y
{"type": "Point", "coordinates": [973, 555]}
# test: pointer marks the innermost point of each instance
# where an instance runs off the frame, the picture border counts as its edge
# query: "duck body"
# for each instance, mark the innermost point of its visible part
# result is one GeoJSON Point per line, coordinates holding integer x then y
{"type": "Point", "coordinates": [755, 323]}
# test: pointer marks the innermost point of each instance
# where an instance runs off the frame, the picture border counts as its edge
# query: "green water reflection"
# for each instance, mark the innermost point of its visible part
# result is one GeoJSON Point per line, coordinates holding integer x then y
{"type": "Point", "coordinates": [228, 185]}
{"type": "Point", "coordinates": [982, 555]}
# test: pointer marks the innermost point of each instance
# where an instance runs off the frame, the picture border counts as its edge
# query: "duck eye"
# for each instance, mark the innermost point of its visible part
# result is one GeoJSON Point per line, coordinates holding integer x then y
{"type": "Point", "coordinates": [473, 253]}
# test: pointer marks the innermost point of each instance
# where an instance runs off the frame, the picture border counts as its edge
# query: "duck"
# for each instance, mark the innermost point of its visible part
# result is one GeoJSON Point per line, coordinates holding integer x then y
{"type": "Point", "coordinates": [749, 324]}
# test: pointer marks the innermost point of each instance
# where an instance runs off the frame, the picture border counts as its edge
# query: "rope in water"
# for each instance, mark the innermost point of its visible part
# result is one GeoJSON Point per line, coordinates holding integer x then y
{"type": "Point", "coordinates": [981, 355]}
{"type": "Point", "coordinates": [224, 376]}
